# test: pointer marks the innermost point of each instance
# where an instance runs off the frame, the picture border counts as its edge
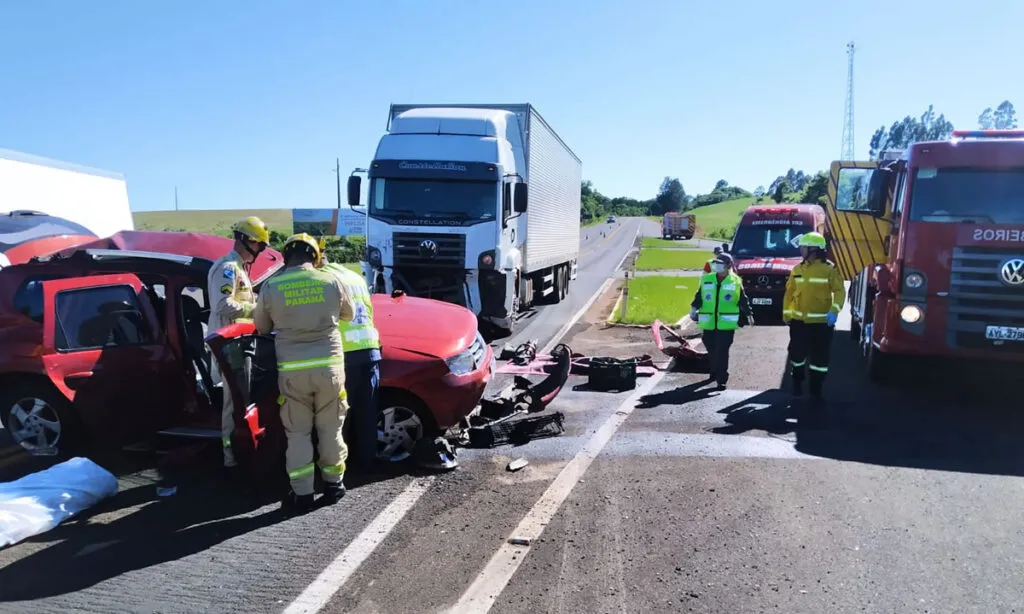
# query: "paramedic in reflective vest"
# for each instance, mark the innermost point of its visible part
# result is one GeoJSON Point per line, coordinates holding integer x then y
{"type": "Point", "coordinates": [303, 307]}
{"type": "Point", "coordinates": [719, 308]}
{"type": "Point", "coordinates": [814, 297]}
{"type": "Point", "coordinates": [362, 369]}
{"type": "Point", "coordinates": [232, 300]}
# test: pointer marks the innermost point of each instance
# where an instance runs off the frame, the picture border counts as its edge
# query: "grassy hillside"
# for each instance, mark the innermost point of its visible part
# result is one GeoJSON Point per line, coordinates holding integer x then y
{"type": "Point", "coordinates": [719, 221]}
{"type": "Point", "coordinates": [211, 222]}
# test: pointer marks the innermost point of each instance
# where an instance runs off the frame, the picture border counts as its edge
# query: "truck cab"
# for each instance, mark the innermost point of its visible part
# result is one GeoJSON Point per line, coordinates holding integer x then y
{"type": "Point", "coordinates": [447, 209]}
{"type": "Point", "coordinates": [766, 248]}
{"type": "Point", "coordinates": [932, 239]}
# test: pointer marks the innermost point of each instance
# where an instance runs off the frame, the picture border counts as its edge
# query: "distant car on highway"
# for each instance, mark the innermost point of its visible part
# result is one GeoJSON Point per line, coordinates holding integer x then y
{"type": "Point", "coordinates": [611, 219]}
{"type": "Point", "coordinates": [104, 343]}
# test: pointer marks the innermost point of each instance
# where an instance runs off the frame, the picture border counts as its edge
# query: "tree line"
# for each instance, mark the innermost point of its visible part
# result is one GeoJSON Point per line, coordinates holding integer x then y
{"type": "Point", "coordinates": [794, 185]}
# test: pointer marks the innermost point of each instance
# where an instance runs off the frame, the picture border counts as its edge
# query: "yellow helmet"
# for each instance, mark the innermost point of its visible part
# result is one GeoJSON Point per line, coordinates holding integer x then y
{"type": "Point", "coordinates": [306, 240]}
{"type": "Point", "coordinates": [253, 228]}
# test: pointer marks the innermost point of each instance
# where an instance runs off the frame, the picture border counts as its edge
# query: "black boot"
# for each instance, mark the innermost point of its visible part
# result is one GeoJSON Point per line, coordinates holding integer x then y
{"type": "Point", "coordinates": [297, 505]}
{"type": "Point", "coordinates": [798, 388]}
{"type": "Point", "coordinates": [332, 493]}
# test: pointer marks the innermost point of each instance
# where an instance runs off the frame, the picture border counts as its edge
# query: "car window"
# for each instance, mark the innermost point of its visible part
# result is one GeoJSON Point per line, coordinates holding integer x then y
{"type": "Point", "coordinates": [91, 318]}
{"type": "Point", "coordinates": [28, 298]}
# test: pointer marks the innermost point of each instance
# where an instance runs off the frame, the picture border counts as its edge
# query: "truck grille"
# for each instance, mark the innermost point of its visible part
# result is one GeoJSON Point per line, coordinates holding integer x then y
{"type": "Point", "coordinates": [430, 249]}
{"type": "Point", "coordinates": [977, 298]}
{"type": "Point", "coordinates": [764, 281]}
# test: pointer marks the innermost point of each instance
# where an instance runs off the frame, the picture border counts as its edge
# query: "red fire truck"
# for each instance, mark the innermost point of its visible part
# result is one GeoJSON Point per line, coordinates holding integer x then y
{"type": "Point", "coordinates": [932, 240]}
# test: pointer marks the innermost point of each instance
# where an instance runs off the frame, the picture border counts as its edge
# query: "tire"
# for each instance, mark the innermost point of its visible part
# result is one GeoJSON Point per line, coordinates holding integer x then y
{"type": "Point", "coordinates": [41, 404]}
{"type": "Point", "coordinates": [402, 420]}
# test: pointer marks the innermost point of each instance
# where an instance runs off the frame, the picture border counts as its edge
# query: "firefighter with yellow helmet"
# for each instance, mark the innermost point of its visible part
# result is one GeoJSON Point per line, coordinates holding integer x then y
{"type": "Point", "coordinates": [232, 300]}
{"type": "Point", "coordinates": [815, 295]}
{"type": "Point", "coordinates": [304, 305]}
{"type": "Point", "coordinates": [361, 342]}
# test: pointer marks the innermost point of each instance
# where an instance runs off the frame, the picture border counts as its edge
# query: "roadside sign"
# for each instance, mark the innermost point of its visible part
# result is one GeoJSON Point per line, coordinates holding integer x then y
{"type": "Point", "coordinates": [328, 222]}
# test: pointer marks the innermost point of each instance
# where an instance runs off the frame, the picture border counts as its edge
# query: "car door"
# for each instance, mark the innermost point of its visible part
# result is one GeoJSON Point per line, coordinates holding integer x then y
{"type": "Point", "coordinates": [104, 350]}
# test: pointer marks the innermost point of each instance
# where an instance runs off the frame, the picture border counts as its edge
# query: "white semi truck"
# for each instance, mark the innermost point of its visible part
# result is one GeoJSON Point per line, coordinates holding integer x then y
{"type": "Point", "coordinates": [474, 204]}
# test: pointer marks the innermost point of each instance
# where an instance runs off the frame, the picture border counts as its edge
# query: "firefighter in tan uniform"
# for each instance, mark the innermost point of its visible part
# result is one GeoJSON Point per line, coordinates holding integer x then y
{"type": "Point", "coordinates": [814, 297]}
{"type": "Point", "coordinates": [232, 300]}
{"type": "Point", "coordinates": [304, 306]}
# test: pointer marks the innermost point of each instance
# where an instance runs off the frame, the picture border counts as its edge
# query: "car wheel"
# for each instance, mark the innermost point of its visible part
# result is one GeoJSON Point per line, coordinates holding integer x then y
{"type": "Point", "coordinates": [39, 418]}
{"type": "Point", "coordinates": [401, 422]}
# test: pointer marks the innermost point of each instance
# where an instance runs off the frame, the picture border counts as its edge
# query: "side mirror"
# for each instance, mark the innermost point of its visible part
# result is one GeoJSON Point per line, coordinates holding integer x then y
{"type": "Point", "coordinates": [354, 190]}
{"type": "Point", "coordinates": [878, 190]}
{"type": "Point", "coordinates": [520, 198]}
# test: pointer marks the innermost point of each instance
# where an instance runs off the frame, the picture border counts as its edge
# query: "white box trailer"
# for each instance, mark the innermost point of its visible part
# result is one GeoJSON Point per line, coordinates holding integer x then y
{"type": "Point", "coordinates": [93, 198]}
{"type": "Point", "coordinates": [477, 204]}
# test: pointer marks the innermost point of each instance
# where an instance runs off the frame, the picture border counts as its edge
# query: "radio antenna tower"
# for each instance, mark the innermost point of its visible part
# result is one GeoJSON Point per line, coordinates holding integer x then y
{"type": "Point", "coordinates": [848, 150]}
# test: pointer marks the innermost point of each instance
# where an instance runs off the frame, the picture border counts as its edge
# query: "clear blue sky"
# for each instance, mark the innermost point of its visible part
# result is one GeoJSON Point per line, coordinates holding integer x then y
{"type": "Point", "coordinates": [247, 104]}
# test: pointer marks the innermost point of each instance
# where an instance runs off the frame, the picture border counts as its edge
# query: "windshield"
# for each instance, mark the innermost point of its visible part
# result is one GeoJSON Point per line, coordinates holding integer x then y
{"type": "Point", "coordinates": [15, 230]}
{"type": "Point", "coordinates": [465, 200]}
{"type": "Point", "coordinates": [968, 195]}
{"type": "Point", "coordinates": [770, 241]}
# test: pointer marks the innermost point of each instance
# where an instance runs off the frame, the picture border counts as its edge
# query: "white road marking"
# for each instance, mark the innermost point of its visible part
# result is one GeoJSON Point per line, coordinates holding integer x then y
{"type": "Point", "coordinates": [327, 584]}
{"type": "Point", "coordinates": [600, 292]}
{"type": "Point", "coordinates": [484, 591]}
{"type": "Point", "coordinates": [341, 568]}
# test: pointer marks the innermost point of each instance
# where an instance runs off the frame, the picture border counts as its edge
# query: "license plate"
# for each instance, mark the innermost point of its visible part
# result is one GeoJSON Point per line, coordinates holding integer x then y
{"type": "Point", "coordinates": [760, 301]}
{"type": "Point", "coordinates": [1004, 333]}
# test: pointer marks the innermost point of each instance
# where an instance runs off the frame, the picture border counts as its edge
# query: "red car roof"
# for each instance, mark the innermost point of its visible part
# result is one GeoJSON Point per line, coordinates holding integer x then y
{"type": "Point", "coordinates": [207, 247]}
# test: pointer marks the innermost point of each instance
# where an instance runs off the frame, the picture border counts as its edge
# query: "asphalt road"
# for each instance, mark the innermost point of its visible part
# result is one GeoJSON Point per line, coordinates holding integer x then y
{"type": "Point", "coordinates": [667, 498]}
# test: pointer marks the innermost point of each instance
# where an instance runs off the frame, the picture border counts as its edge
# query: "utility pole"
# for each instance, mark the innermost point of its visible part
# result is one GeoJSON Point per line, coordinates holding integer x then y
{"type": "Point", "coordinates": [848, 149]}
{"type": "Point", "coordinates": [175, 198]}
{"type": "Point", "coordinates": [337, 171]}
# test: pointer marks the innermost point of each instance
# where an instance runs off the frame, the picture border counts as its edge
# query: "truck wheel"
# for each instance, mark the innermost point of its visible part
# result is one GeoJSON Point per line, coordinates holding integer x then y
{"type": "Point", "coordinates": [38, 417]}
{"type": "Point", "coordinates": [880, 365]}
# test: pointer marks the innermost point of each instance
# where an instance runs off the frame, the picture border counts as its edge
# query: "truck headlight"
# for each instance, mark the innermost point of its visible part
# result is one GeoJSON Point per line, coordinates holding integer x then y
{"type": "Point", "coordinates": [914, 280]}
{"type": "Point", "coordinates": [911, 314]}
{"type": "Point", "coordinates": [373, 256]}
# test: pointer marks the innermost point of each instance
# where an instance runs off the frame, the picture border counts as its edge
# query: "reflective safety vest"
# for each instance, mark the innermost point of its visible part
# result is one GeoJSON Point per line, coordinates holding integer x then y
{"type": "Point", "coordinates": [360, 333]}
{"type": "Point", "coordinates": [812, 291]}
{"type": "Point", "coordinates": [720, 302]}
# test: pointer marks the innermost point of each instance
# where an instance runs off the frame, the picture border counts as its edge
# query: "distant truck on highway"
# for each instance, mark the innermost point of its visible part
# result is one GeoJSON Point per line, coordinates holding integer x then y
{"type": "Point", "coordinates": [474, 204]}
{"type": "Point", "coordinates": [932, 239]}
{"type": "Point", "coordinates": [676, 225]}
{"type": "Point", "coordinates": [765, 249]}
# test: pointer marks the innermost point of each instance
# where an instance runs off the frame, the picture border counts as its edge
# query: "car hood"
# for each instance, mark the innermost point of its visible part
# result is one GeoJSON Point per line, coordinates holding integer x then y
{"type": "Point", "coordinates": [423, 326]}
{"type": "Point", "coordinates": [762, 265]}
{"type": "Point", "coordinates": [196, 245]}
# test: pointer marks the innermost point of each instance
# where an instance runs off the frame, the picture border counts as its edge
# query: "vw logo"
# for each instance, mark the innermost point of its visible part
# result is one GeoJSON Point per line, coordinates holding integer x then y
{"type": "Point", "coordinates": [762, 280]}
{"type": "Point", "coordinates": [428, 248]}
{"type": "Point", "coordinates": [1012, 272]}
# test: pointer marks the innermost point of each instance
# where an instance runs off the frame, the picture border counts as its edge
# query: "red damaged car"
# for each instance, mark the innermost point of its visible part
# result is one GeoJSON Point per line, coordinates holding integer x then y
{"type": "Point", "coordinates": [106, 343]}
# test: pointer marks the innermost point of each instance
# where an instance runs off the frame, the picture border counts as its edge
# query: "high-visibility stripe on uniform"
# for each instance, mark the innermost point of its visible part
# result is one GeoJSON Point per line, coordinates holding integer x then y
{"type": "Point", "coordinates": [798, 363]}
{"type": "Point", "coordinates": [301, 472]}
{"type": "Point", "coordinates": [817, 368]}
{"type": "Point", "coordinates": [312, 363]}
{"type": "Point", "coordinates": [333, 470]}
{"type": "Point", "coordinates": [226, 441]}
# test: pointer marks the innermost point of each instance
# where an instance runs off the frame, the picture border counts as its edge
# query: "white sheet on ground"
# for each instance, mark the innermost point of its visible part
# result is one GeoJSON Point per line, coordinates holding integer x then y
{"type": "Point", "coordinates": [40, 501]}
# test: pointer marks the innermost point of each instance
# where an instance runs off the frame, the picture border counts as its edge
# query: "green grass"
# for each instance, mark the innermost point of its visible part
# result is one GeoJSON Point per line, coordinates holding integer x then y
{"type": "Point", "coordinates": [658, 298]}
{"type": "Point", "coordinates": [719, 221]}
{"type": "Point", "coordinates": [217, 222]}
{"type": "Point", "coordinates": [674, 259]}
{"type": "Point", "coordinates": [355, 266]}
{"type": "Point", "coordinates": [653, 242]}
{"type": "Point", "coordinates": [594, 221]}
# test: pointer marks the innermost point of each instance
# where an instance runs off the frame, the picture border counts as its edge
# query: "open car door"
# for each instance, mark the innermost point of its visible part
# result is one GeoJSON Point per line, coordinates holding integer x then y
{"type": "Point", "coordinates": [104, 350]}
